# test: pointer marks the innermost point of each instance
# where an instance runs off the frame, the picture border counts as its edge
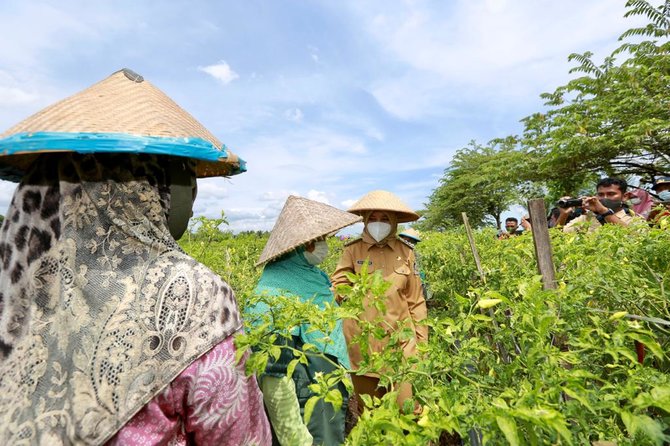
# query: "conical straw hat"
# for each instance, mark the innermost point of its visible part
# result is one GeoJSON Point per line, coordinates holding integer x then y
{"type": "Point", "coordinates": [301, 221]}
{"type": "Point", "coordinates": [122, 113]}
{"type": "Point", "coordinates": [411, 233]}
{"type": "Point", "coordinates": [381, 200]}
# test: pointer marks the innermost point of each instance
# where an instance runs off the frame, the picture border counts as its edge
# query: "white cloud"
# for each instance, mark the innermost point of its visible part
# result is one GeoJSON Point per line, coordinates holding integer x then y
{"type": "Point", "coordinates": [318, 195]}
{"type": "Point", "coordinates": [221, 72]}
{"type": "Point", "coordinates": [275, 195]}
{"type": "Point", "coordinates": [470, 67]}
{"type": "Point", "coordinates": [10, 96]}
{"type": "Point", "coordinates": [294, 114]}
{"type": "Point", "coordinates": [481, 50]}
{"type": "Point", "coordinates": [314, 53]}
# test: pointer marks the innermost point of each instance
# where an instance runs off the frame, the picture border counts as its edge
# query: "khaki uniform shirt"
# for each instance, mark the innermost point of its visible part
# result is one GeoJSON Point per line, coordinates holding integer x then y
{"type": "Point", "coordinates": [594, 224]}
{"type": "Point", "coordinates": [404, 298]}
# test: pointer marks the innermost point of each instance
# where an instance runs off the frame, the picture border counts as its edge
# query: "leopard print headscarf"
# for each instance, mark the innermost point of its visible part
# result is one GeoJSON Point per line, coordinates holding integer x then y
{"type": "Point", "coordinates": [99, 307]}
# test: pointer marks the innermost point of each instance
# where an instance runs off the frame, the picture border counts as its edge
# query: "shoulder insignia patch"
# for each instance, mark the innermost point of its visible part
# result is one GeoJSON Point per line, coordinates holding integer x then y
{"type": "Point", "coordinates": [410, 245]}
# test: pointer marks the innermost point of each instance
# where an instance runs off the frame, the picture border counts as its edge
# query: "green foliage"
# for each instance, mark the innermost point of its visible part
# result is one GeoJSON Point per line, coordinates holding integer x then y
{"type": "Point", "coordinates": [233, 257]}
{"type": "Point", "coordinates": [573, 375]}
{"type": "Point", "coordinates": [611, 120]}
{"type": "Point", "coordinates": [480, 183]}
{"type": "Point", "coordinates": [615, 118]}
{"type": "Point", "coordinates": [507, 359]}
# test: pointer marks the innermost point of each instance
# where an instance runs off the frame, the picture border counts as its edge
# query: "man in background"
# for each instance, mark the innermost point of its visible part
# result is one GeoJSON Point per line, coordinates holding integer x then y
{"type": "Point", "coordinates": [606, 207]}
{"type": "Point", "coordinates": [512, 229]}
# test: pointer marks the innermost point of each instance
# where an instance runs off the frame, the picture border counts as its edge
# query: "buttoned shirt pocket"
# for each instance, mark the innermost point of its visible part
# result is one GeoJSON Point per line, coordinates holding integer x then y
{"type": "Point", "coordinates": [400, 276]}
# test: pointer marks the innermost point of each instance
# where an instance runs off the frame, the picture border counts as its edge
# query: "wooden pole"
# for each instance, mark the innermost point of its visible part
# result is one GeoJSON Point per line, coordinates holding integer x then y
{"type": "Point", "coordinates": [542, 242]}
{"type": "Point", "coordinates": [473, 247]}
{"type": "Point", "coordinates": [503, 353]}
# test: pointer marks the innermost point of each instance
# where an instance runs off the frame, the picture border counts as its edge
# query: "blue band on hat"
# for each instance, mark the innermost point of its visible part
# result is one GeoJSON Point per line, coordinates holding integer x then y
{"type": "Point", "coordinates": [196, 148]}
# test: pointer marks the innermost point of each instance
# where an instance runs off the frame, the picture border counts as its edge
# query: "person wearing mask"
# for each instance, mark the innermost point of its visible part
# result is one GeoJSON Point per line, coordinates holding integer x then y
{"type": "Point", "coordinates": [512, 228]}
{"type": "Point", "coordinates": [109, 332]}
{"type": "Point", "coordinates": [381, 250]}
{"type": "Point", "coordinates": [661, 189]}
{"type": "Point", "coordinates": [641, 202]}
{"type": "Point", "coordinates": [606, 207]}
{"type": "Point", "coordinates": [290, 257]}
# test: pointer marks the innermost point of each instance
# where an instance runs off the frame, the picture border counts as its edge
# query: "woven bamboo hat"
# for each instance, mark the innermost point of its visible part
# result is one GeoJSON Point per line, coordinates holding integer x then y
{"type": "Point", "coordinates": [302, 220]}
{"type": "Point", "coordinates": [381, 200]}
{"type": "Point", "coordinates": [411, 233]}
{"type": "Point", "coordinates": [122, 113]}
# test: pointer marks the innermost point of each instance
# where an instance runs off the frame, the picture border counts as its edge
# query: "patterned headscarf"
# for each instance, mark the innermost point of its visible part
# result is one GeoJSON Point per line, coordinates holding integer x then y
{"type": "Point", "coordinates": [99, 307]}
{"type": "Point", "coordinates": [646, 202]}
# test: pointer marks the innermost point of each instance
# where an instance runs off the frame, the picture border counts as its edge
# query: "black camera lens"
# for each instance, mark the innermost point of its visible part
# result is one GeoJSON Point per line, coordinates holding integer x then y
{"type": "Point", "coordinates": [569, 203]}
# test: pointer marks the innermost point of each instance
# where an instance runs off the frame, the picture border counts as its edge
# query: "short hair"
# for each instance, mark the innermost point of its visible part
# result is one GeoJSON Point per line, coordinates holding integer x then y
{"type": "Point", "coordinates": [607, 182]}
{"type": "Point", "coordinates": [511, 219]}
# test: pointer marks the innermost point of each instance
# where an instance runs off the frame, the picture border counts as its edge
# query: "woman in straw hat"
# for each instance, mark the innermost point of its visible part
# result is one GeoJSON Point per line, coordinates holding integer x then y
{"type": "Point", "coordinates": [109, 332]}
{"type": "Point", "coordinates": [382, 250]}
{"type": "Point", "coordinates": [296, 245]}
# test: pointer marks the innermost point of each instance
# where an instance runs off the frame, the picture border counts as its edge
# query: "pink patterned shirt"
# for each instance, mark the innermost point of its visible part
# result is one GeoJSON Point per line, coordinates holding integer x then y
{"type": "Point", "coordinates": [211, 402]}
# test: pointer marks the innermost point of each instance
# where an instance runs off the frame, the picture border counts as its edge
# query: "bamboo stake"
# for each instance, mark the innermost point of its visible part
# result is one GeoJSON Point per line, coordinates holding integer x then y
{"type": "Point", "coordinates": [473, 247]}
{"type": "Point", "coordinates": [503, 353]}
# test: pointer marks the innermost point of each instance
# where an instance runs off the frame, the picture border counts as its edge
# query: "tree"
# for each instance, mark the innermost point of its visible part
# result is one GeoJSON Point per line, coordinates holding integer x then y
{"type": "Point", "coordinates": [480, 183]}
{"type": "Point", "coordinates": [613, 120]}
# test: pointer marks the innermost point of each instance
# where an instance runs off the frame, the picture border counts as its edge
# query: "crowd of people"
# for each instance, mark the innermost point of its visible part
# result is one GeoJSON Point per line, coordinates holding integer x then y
{"type": "Point", "coordinates": [615, 203]}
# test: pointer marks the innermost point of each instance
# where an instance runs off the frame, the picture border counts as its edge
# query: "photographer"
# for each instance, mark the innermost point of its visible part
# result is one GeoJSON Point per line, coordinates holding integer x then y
{"type": "Point", "coordinates": [606, 207]}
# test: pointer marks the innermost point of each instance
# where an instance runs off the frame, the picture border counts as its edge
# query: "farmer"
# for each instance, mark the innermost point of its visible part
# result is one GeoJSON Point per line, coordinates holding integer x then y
{"type": "Point", "coordinates": [606, 207]}
{"type": "Point", "coordinates": [381, 250]}
{"type": "Point", "coordinates": [294, 249]}
{"type": "Point", "coordinates": [109, 332]}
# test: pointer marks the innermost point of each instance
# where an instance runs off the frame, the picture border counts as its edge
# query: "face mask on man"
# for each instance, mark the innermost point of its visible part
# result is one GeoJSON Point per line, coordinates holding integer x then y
{"type": "Point", "coordinates": [664, 195]}
{"type": "Point", "coordinates": [615, 205]}
{"type": "Point", "coordinates": [319, 254]}
{"type": "Point", "coordinates": [379, 230]}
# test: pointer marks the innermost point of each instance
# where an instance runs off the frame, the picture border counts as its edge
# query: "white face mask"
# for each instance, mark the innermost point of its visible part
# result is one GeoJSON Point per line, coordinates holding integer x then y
{"type": "Point", "coordinates": [379, 230]}
{"type": "Point", "coordinates": [664, 195]}
{"type": "Point", "coordinates": [319, 254]}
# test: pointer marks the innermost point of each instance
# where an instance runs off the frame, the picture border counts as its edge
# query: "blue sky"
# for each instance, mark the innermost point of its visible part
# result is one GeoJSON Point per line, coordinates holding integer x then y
{"type": "Point", "coordinates": [323, 99]}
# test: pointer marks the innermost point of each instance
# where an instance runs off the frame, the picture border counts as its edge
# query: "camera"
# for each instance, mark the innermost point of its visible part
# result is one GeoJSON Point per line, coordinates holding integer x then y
{"type": "Point", "coordinates": [570, 203]}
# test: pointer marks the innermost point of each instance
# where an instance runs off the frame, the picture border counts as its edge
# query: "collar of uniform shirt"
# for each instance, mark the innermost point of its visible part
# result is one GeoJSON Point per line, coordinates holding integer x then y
{"type": "Point", "coordinates": [393, 244]}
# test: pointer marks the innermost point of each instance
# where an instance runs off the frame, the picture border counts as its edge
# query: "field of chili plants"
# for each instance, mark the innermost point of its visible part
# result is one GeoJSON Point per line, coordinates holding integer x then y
{"type": "Point", "coordinates": [508, 362]}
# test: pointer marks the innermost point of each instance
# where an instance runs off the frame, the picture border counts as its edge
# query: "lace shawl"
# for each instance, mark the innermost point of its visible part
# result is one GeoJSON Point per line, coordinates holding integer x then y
{"type": "Point", "coordinates": [99, 307]}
